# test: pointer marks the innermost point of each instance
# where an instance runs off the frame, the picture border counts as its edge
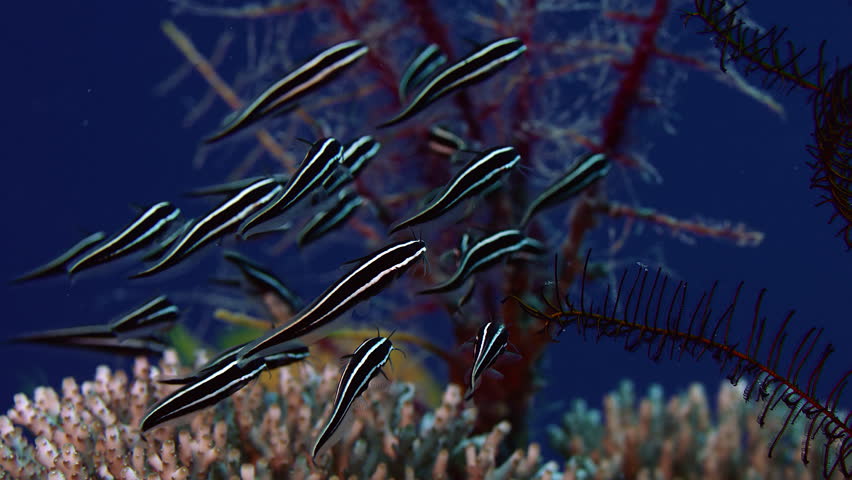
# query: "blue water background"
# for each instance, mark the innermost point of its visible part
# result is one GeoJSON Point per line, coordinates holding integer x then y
{"type": "Point", "coordinates": [84, 137]}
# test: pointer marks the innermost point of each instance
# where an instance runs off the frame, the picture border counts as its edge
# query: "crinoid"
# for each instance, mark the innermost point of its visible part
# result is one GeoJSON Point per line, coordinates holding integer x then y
{"type": "Point", "coordinates": [647, 311]}
{"type": "Point", "coordinates": [780, 64]}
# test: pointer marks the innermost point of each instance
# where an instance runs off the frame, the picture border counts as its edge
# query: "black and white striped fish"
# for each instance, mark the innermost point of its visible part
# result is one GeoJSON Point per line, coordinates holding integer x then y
{"type": "Point", "coordinates": [346, 204]}
{"type": "Point", "coordinates": [486, 253]}
{"type": "Point", "coordinates": [130, 334]}
{"type": "Point", "coordinates": [490, 343]}
{"type": "Point", "coordinates": [375, 272]}
{"type": "Point", "coordinates": [154, 315]}
{"type": "Point", "coordinates": [364, 364]}
{"type": "Point", "coordinates": [60, 263]}
{"type": "Point", "coordinates": [444, 142]}
{"type": "Point", "coordinates": [474, 68]}
{"type": "Point", "coordinates": [427, 60]}
{"type": "Point", "coordinates": [217, 383]}
{"type": "Point", "coordinates": [479, 174]}
{"type": "Point", "coordinates": [141, 232]}
{"type": "Point", "coordinates": [231, 188]}
{"type": "Point", "coordinates": [263, 280]}
{"type": "Point", "coordinates": [320, 161]}
{"type": "Point", "coordinates": [586, 170]}
{"type": "Point", "coordinates": [96, 338]}
{"type": "Point", "coordinates": [164, 244]}
{"type": "Point", "coordinates": [314, 73]}
{"type": "Point", "coordinates": [355, 157]}
{"type": "Point", "coordinates": [218, 222]}
{"type": "Point", "coordinates": [291, 354]}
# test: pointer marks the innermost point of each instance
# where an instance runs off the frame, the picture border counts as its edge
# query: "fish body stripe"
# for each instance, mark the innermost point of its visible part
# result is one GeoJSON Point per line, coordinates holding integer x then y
{"type": "Point", "coordinates": [272, 361]}
{"type": "Point", "coordinates": [154, 314]}
{"type": "Point", "coordinates": [276, 360]}
{"type": "Point", "coordinates": [490, 344]}
{"type": "Point", "coordinates": [476, 67]}
{"type": "Point", "coordinates": [138, 233]}
{"type": "Point", "coordinates": [367, 279]}
{"type": "Point", "coordinates": [589, 169]}
{"type": "Point", "coordinates": [355, 156]}
{"type": "Point", "coordinates": [444, 142]}
{"type": "Point", "coordinates": [264, 279]}
{"type": "Point", "coordinates": [164, 244]}
{"type": "Point", "coordinates": [359, 152]}
{"type": "Point", "coordinates": [480, 65]}
{"type": "Point", "coordinates": [316, 72]}
{"type": "Point", "coordinates": [95, 337]}
{"type": "Point", "coordinates": [317, 165]}
{"type": "Point", "coordinates": [485, 253]}
{"type": "Point", "coordinates": [427, 60]}
{"type": "Point", "coordinates": [365, 363]}
{"type": "Point", "coordinates": [325, 221]}
{"type": "Point", "coordinates": [221, 220]}
{"type": "Point", "coordinates": [58, 265]}
{"type": "Point", "coordinates": [476, 176]}
{"type": "Point", "coordinates": [203, 393]}
{"type": "Point", "coordinates": [230, 188]}
{"type": "Point", "coordinates": [215, 384]}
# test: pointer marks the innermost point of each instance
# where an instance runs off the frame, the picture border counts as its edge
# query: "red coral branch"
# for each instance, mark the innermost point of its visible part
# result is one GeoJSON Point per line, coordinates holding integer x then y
{"type": "Point", "coordinates": [626, 96]}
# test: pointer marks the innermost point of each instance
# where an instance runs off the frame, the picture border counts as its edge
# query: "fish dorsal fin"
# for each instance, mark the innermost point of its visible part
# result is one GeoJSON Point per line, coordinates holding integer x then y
{"type": "Point", "coordinates": [464, 243]}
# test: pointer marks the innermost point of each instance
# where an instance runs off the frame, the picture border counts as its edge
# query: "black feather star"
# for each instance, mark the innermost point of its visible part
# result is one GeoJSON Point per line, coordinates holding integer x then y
{"type": "Point", "coordinates": [645, 311]}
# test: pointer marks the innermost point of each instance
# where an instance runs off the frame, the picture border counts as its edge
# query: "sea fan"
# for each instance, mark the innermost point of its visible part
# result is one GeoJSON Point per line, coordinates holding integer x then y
{"type": "Point", "coordinates": [646, 312]}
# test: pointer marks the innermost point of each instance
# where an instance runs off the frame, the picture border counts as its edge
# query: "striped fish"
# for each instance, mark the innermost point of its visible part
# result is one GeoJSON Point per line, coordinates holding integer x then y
{"type": "Point", "coordinates": [130, 334]}
{"type": "Point", "coordinates": [364, 364]}
{"type": "Point", "coordinates": [472, 69]}
{"type": "Point", "coordinates": [490, 343]}
{"type": "Point", "coordinates": [216, 384]}
{"type": "Point", "coordinates": [139, 233]}
{"type": "Point", "coordinates": [586, 170]}
{"type": "Point", "coordinates": [486, 253]}
{"type": "Point", "coordinates": [96, 338]}
{"type": "Point", "coordinates": [216, 223]}
{"type": "Point", "coordinates": [324, 222]}
{"type": "Point", "coordinates": [162, 245]}
{"type": "Point", "coordinates": [375, 272]}
{"type": "Point", "coordinates": [421, 67]}
{"type": "Point", "coordinates": [320, 161]}
{"type": "Point", "coordinates": [355, 157]}
{"type": "Point", "coordinates": [479, 174]}
{"type": "Point", "coordinates": [231, 188]}
{"type": "Point", "coordinates": [291, 354]}
{"type": "Point", "coordinates": [262, 280]}
{"type": "Point", "coordinates": [154, 315]}
{"type": "Point", "coordinates": [444, 142]}
{"type": "Point", "coordinates": [59, 264]}
{"type": "Point", "coordinates": [314, 73]}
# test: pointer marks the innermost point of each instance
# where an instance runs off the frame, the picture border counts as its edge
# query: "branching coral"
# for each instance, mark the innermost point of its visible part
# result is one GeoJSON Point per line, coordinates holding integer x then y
{"type": "Point", "coordinates": [89, 430]}
{"type": "Point", "coordinates": [678, 437]}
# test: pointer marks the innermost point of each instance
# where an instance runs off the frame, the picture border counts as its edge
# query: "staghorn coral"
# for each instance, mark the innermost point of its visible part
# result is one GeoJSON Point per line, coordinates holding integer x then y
{"type": "Point", "coordinates": [267, 430]}
{"type": "Point", "coordinates": [89, 430]}
{"type": "Point", "coordinates": [677, 438]}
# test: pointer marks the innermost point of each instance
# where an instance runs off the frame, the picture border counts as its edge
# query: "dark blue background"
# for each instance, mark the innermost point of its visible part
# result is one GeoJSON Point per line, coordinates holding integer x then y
{"type": "Point", "coordinates": [84, 137]}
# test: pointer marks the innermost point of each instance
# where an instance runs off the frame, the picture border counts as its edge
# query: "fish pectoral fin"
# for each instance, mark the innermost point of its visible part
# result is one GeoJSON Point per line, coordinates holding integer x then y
{"type": "Point", "coordinates": [510, 357]}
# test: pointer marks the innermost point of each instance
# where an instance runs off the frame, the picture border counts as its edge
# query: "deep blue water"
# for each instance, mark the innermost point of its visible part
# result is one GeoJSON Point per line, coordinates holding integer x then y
{"type": "Point", "coordinates": [85, 137]}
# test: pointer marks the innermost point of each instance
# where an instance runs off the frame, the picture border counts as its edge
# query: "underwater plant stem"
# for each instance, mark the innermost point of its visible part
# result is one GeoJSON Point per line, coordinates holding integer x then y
{"type": "Point", "coordinates": [200, 63]}
{"type": "Point", "coordinates": [738, 233]}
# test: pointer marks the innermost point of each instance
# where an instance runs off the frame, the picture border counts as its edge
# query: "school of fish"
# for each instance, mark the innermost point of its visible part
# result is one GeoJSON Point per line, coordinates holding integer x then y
{"type": "Point", "coordinates": [321, 184]}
